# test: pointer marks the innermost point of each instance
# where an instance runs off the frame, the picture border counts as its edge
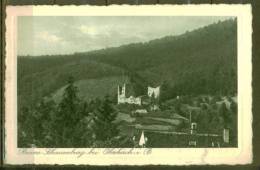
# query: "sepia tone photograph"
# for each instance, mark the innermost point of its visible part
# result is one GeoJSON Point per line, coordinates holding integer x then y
{"type": "Point", "coordinates": [117, 82]}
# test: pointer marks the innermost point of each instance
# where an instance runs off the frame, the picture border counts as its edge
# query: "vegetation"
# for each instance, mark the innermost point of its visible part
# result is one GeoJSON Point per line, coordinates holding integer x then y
{"type": "Point", "coordinates": [207, 57]}
{"type": "Point", "coordinates": [104, 127]}
{"type": "Point", "coordinates": [70, 123]}
{"type": "Point", "coordinates": [196, 71]}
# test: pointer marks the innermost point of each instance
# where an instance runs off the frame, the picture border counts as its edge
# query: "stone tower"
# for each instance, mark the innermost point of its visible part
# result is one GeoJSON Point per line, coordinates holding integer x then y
{"type": "Point", "coordinates": [121, 94]}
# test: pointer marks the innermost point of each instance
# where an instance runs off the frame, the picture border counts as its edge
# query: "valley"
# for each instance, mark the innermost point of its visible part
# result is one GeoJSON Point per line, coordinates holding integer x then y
{"type": "Point", "coordinates": [196, 73]}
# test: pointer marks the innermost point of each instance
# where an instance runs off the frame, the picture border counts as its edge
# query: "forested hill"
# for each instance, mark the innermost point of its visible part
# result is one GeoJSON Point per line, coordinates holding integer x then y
{"type": "Point", "coordinates": [197, 62]}
{"type": "Point", "coordinates": [205, 43]}
{"type": "Point", "coordinates": [208, 53]}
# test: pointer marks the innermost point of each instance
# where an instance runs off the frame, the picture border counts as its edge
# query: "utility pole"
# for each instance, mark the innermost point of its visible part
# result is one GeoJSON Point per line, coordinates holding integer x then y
{"type": "Point", "coordinates": [190, 116]}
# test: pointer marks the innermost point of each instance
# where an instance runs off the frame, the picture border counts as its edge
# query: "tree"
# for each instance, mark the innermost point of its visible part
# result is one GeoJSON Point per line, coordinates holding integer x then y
{"type": "Point", "coordinates": [24, 129]}
{"type": "Point", "coordinates": [68, 114]}
{"type": "Point", "coordinates": [84, 134]}
{"type": "Point", "coordinates": [105, 128]}
{"type": "Point", "coordinates": [226, 115]}
{"type": "Point", "coordinates": [35, 124]}
{"type": "Point", "coordinates": [166, 92]}
{"type": "Point", "coordinates": [233, 123]}
{"type": "Point", "coordinates": [46, 110]}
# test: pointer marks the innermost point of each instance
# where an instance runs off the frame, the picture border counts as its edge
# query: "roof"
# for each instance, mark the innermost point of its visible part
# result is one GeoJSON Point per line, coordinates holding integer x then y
{"type": "Point", "coordinates": [177, 116]}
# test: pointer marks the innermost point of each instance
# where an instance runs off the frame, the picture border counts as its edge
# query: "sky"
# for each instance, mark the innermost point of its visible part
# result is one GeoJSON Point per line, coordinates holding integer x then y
{"type": "Point", "coordinates": [49, 35]}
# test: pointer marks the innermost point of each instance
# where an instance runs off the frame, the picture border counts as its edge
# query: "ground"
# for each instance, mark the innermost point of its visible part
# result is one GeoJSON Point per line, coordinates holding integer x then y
{"type": "Point", "coordinates": [167, 128]}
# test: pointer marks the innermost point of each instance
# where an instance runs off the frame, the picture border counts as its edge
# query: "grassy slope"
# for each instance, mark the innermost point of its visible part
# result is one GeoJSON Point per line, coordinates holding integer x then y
{"type": "Point", "coordinates": [94, 88]}
{"type": "Point", "coordinates": [46, 81]}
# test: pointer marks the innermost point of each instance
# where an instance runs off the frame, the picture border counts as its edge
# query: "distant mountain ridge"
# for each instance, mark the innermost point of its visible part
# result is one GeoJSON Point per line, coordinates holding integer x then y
{"type": "Point", "coordinates": [203, 61]}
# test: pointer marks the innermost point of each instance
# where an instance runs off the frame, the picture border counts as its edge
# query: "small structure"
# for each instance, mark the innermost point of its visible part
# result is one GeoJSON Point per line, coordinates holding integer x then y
{"type": "Point", "coordinates": [149, 101]}
{"type": "Point", "coordinates": [142, 140]}
{"type": "Point", "coordinates": [153, 92]}
{"type": "Point", "coordinates": [141, 111]}
{"type": "Point", "coordinates": [154, 107]}
{"type": "Point", "coordinates": [226, 136]}
{"type": "Point", "coordinates": [193, 128]}
{"type": "Point", "coordinates": [122, 97]}
{"type": "Point", "coordinates": [193, 143]}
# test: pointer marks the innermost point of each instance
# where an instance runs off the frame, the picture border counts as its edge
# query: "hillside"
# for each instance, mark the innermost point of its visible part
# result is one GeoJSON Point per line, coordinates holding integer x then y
{"type": "Point", "coordinates": [44, 81]}
{"type": "Point", "coordinates": [94, 88]}
{"type": "Point", "coordinates": [195, 56]}
{"type": "Point", "coordinates": [206, 57]}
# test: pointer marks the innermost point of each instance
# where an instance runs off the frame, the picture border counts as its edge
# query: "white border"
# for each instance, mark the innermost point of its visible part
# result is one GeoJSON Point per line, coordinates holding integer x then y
{"type": "Point", "coordinates": [166, 156]}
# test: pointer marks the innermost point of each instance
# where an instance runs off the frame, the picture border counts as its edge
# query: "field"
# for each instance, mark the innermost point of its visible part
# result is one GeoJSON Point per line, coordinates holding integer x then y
{"type": "Point", "coordinates": [94, 88]}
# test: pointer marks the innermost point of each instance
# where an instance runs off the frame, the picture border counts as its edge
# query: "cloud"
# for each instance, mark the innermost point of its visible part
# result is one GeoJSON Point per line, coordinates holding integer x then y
{"type": "Point", "coordinates": [46, 36]}
{"type": "Point", "coordinates": [90, 30]}
{"type": "Point", "coordinates": [62, 35]}
{"type": "Point", "coordinates": [94, 31]}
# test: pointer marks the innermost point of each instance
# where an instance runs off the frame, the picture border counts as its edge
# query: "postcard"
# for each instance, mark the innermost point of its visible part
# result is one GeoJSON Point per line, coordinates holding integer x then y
{"type": "Point", "coordinates": [128, 85]}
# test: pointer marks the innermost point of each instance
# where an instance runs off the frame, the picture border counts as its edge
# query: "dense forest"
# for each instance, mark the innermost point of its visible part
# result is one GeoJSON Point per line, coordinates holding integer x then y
{"type": "Point", "coordinates": [206, 57]}
{"type": "Point", "coordinates": [202, 61]}
{"type": "Point", "coordinates": [51, 124]}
